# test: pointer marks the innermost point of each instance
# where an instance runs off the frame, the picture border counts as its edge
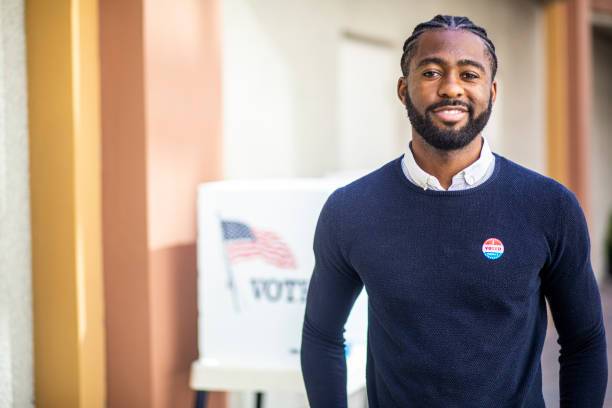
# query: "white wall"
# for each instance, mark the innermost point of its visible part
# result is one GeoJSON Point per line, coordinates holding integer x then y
{"type": "Point", "coordinates": [601, 146]}
{"type": "Point", "coordinates": [16, 374]}
{"type": "Point", "coordinates": [280, 76]}
{"type": "Point", "coordinates": [368, 114]}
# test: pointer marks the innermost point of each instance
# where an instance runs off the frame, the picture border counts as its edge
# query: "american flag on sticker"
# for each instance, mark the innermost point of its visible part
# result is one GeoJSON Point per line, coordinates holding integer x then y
{"type": "Point", "coordinates": [243, 242]}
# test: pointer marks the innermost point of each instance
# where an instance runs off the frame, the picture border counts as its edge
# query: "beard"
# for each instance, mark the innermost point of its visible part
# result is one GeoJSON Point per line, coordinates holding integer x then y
{"type": "Point", "coordinates": [447, 139]}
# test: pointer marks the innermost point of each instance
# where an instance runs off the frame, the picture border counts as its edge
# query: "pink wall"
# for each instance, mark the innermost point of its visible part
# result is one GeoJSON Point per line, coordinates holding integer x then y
{"type": "Point", "coordinates": [183, 99]}
{"type": "Point", "coordinates": [161, 120]}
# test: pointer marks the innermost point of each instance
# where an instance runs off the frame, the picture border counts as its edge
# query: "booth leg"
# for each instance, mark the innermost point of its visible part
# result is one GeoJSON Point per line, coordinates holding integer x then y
{"type": "Point", "coordinates": [259, 400]}
{"type": "Point", "coordinates": [201, 399]}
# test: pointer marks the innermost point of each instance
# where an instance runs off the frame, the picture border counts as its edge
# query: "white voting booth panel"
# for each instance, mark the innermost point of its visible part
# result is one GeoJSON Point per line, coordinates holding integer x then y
{"type": "Point", "coordinates": [255, 260]}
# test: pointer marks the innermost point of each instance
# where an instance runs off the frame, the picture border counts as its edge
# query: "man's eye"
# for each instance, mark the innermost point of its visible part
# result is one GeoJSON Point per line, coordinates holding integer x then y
{"type": "Point", "coordinates": [430, 74]}
{"type": "Point", "coordinates": [470, 75]}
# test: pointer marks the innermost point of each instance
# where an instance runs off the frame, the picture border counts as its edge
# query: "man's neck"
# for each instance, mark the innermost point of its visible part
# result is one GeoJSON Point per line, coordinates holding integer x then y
{"type": "Point", "coordinates": [441, 163]}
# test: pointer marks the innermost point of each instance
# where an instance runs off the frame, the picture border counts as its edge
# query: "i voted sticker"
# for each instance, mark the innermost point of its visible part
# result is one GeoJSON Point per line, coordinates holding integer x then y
{"type": "Point", "coordinates": [493, 248]}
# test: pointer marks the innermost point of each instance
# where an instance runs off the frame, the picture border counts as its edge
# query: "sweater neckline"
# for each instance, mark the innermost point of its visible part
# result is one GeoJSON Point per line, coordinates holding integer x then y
{"type": "Point", "coordinates": [453, 193]}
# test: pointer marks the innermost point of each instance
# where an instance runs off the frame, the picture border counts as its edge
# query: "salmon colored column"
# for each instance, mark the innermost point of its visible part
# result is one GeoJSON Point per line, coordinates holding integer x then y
{"type": "Point", "coordinates": [557, 121]}
{"type": "Point", "coordinates": [568, 39]}
{"type": "Point", "coordinates": [64, 121]}
{"type": "Point", "coordinates": [580, 46]}
{"type": "Point", "coordinates": [161, 117]}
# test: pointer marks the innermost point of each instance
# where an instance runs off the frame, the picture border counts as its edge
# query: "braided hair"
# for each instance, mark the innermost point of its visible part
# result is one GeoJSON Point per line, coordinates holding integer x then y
{"type": "Point", "coordinates": [441, 22]}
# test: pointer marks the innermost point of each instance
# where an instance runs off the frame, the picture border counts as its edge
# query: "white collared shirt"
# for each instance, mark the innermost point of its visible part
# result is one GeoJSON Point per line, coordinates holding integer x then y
{"type": "Point", "coordinates": [470, 177]}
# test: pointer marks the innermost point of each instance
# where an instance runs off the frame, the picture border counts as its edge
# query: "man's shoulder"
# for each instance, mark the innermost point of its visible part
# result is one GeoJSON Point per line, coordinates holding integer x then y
{"type": "Point", "coordinates": [534, 186]}
{"type": "Point", "coordinates": [368, 186]}
{"type": "Point", "coordinates": [551, 204]}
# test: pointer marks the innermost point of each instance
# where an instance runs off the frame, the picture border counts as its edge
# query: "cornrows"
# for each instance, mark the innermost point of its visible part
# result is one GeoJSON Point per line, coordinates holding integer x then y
{"type": "Point", "coordinates": [441, 22]}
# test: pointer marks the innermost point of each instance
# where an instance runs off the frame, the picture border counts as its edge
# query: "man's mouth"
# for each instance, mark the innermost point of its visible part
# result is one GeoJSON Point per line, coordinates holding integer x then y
{"type": "Point", "coordinates": [450, 114]}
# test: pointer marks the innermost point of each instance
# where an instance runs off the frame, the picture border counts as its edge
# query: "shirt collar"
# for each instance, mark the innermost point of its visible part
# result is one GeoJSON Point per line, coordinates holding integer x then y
{"type": "Point", "coordinates": [471, 174]}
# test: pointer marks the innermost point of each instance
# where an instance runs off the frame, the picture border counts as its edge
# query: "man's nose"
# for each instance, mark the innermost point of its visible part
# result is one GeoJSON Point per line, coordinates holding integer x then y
{"type": "Point", "coordinates": [450, 87]}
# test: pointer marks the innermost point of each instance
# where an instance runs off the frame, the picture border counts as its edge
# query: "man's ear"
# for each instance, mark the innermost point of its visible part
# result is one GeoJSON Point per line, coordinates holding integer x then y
{"type": "Point", "coordinates": [402, 88]}
{"type": "Point", "coordinates": [493, 91]}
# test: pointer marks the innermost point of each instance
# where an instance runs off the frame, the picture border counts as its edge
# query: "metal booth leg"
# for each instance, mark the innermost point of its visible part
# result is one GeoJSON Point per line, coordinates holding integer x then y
{"type": "Point", "coordinates": [201, 399]}
{"type": "Point", "coordinates": [259, 400]}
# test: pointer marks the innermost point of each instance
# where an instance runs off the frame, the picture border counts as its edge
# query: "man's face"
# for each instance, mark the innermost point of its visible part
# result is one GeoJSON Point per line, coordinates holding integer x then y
{"type": "Point", "coordinates": [448, 92]}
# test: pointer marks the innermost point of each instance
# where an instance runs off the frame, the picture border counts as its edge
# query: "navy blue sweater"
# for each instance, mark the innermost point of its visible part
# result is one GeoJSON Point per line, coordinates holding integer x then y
{"type": "Point", "coordinates": [457, 284]}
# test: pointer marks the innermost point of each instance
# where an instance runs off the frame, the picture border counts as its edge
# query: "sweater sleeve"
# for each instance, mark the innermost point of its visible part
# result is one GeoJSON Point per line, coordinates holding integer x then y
{"type": "Point", "coordinates": [333, 289]}
{"type": "Point", "coordinates": [573, 296]}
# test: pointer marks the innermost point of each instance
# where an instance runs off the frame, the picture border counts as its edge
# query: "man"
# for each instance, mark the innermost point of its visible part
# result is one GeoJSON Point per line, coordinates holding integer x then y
{"type": "Point", "coordinates": [459, 249]}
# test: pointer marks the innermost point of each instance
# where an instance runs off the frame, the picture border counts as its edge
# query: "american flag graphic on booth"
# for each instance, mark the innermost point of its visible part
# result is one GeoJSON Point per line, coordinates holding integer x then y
{"type": "Point", "coordinates": [243, 242]}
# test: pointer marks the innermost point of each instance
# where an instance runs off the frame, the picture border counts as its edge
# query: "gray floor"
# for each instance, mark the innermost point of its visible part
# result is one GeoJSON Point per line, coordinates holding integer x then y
{"type": "Point", "coordinates": [550, 364]}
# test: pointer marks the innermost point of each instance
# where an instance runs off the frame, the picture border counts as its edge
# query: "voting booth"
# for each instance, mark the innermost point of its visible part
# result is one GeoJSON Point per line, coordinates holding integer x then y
{"type": "Point", "coordinates": [255, 260]}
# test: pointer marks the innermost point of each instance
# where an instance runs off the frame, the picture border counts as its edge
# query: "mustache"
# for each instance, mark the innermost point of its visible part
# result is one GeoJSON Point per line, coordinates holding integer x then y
{"type": "Point", "coordinates": [450, 102]}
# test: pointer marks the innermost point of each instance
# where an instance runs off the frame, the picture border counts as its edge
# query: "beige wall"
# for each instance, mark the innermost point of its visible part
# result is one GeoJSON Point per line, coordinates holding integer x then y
{"type": "Point", "coordinates": [601, 145]}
